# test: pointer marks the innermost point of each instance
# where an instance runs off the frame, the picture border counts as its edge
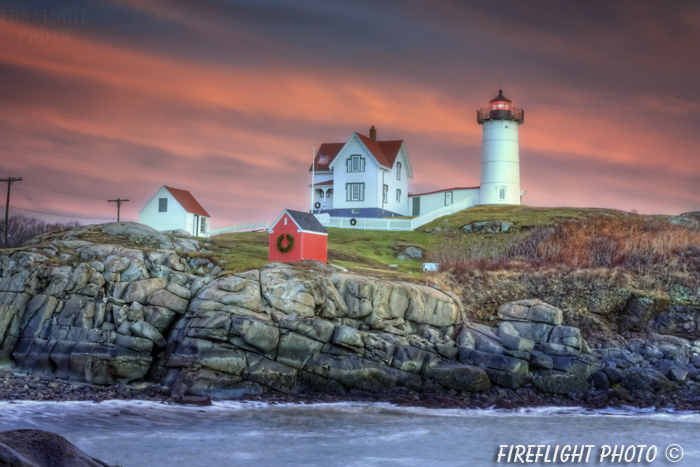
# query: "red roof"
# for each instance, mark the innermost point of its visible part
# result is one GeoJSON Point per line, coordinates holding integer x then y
{"type": "Point", "coordinates": [384, 151]}
{"type": "Point", "coordinates": [447, 189]}
{"type": "Point", "coordinates": [325, 155]}
{"type": "Point", "coordinates": [327, 182]}
{"type": "Point", "coordinates": [187, 201]}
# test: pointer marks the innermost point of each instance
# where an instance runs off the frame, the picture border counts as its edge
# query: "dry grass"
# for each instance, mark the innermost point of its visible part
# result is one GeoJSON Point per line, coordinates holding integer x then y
{"type": "Point", "coordinates": [630, 242]}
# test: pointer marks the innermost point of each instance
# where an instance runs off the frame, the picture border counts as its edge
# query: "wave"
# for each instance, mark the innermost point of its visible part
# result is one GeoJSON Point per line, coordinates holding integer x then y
{"type": "Point", "coordinates": [164, 412]}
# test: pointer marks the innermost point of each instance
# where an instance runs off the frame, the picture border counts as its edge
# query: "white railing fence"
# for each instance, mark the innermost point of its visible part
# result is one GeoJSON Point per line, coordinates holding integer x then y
{"type": "Point", "coordinates": [445, 211]}
{"type": "Point", "coordinates": [391, 224]}
{"type": "Point", "coordinates": [241, 228]}
{"type": "Point", "coordinates": [386, 223]}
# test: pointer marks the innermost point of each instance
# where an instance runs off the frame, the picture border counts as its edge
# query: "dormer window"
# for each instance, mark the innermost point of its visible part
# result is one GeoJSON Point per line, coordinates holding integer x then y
{"type": "Point", "coordinates": [356, 163]}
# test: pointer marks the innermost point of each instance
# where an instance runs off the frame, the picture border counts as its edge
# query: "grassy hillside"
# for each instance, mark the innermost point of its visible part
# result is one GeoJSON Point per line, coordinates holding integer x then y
{"type": "Point", "coordinates": [375, 252]}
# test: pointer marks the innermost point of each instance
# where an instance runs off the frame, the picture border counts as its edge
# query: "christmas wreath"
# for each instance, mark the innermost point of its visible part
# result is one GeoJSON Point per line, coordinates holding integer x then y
{"type": "Point", "coordinates": [290, 242]}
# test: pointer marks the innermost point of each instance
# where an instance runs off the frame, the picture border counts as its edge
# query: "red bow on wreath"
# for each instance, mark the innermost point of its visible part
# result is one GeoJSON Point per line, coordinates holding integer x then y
{"type": "Point", "coordinates": [290, 242]}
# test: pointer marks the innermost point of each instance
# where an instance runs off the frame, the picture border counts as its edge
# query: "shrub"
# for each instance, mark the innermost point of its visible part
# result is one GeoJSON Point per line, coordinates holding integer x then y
{"type": "Point", "coordinates": [22, 228]}
{"type": "Point", "coordinates": [630, 242]}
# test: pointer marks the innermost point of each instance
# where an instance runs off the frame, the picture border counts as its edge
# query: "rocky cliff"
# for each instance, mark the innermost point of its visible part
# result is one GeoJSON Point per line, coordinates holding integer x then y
{"type": "Point", "coordinates": [104, 313]}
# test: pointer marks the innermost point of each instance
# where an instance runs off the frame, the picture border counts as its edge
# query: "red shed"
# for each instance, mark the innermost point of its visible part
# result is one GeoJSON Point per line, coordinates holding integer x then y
{"type": "Point", "coordinates": [296, 236]}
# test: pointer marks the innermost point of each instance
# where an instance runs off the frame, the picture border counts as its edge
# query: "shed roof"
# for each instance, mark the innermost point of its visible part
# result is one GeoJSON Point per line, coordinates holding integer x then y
{"type": "Point", "coordinates": [304, 220]}
{"type": "Point", "coordinates": [187, 201]}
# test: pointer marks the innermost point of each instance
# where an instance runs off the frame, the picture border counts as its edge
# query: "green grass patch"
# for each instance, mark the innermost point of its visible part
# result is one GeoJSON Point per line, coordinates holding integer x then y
{"type": "Point", "coordinates": [375, 252]}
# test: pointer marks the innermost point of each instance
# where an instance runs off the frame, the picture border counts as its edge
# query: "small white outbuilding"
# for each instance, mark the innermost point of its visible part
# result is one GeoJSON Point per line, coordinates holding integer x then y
{"type": "Point", "coordinates": [172, 209]}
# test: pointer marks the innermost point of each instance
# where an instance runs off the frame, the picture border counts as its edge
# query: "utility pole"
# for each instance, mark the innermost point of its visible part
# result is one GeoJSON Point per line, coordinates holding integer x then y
{"type": "Point", "coordinates": [7, 205]}
{"type": "Point", "coordinates": [119, 204]}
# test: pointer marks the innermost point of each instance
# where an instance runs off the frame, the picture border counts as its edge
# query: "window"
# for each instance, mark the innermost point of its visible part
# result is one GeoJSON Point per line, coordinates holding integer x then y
{"type": "Point", "coordinates": [385, 194]}
{"type": "Point", "coordinates": [319, 194]}
{"type": "Point", "coordinates": [500, 105]}
{"type": "Point", "coordinates": [356, 163]}
{"type": "Point", "coordinates": [355, 191]}
{"type": "Point", "coordinates": [398, 195]}
{"type": "Point", "coordinates": [203, 225]}
{"type": "Point", "coordinates": [448, 198]}
{"type": "Point", "coordinates": [501, 193]}
{"type": "Point", "coordinates": [162, 204]}
{"type": "Point", "coordinates": [398, 171]}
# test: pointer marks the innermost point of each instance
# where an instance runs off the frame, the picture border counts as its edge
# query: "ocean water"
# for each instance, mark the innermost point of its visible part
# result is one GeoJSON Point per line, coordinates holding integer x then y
{"type": "Point", "coordinates": [136, 433]}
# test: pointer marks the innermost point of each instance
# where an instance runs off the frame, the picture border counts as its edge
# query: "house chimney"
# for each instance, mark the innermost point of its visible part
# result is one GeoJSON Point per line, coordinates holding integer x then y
{"type": "Point", "coordinates": [373, 133]}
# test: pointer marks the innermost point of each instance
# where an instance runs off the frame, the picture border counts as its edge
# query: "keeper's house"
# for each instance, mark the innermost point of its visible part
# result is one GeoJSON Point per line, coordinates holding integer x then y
{"type": "Point", "coordinates": [296, 236]}
{"type": "Point", "coordinates": [172, 209]}
{"type": "Point", "coordinates": [362, 177]}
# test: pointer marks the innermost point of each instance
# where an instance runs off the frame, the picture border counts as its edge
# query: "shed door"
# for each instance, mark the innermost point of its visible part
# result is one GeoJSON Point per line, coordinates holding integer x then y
{"type": "Point", "coordinates": [416, 206]}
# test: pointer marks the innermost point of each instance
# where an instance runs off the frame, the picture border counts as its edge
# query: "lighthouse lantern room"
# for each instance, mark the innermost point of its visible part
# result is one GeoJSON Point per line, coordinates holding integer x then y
{"type": "Point", "coordinates": [500, 157]}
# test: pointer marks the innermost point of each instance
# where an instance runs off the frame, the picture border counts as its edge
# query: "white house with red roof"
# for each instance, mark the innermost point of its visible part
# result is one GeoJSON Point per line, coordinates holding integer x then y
{"type": "Point", "coordinates": [362, 178]}
{"type": "Point", "coordinates": [173, 209]}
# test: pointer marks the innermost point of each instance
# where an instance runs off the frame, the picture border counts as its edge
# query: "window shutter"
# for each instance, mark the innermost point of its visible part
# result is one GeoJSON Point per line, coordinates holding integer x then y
{"type": "Point", "coordinates": [347, 192]}
{"type": "Point", "coordinates": [362, 191]}
{"type": "Point", "coordinates": [348, 162]}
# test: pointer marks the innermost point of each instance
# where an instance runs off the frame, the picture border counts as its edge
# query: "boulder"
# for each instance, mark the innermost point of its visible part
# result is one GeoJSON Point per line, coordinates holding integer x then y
{"type": "Point", "coordinates": [291, 293]}
{"type": "Point", "coordinates": [164, 298]}
{"type": "Point", "coordinates": [413, 252]}
{"type": "Point", "coordinates": [460, 377]}
{"type": "Point", "coordinates": [346, 336]}
{"type": "Point", "coordinates": [568, 336]}
{"type": "Point", "coordinates": [148, 331]}
{"type": "Point", "coordinates": [139, 291]}
{"type": "Point", "coordinates": [645, 379]}
{"type": "Point", "coordinates": [409, 358]}
{"type": "Point", "coordinates": [511, 338]}
{"type": "Point", "coordinates": [134, 232]}
{"type": "Point", "coordinates": [37, 448]}
{"type": "Point", "coordinates": [295, 350]}
{"type": "Point", "coordinates": [561, 384]}
{"type": "Point", "coordinates": [433, 307]}
{"type": "Point", "coordinates": [534, 311]}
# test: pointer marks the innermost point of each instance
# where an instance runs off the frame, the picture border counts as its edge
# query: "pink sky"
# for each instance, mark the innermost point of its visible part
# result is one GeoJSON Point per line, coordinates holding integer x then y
{"type": "Point", "coordinates": [227, 100]}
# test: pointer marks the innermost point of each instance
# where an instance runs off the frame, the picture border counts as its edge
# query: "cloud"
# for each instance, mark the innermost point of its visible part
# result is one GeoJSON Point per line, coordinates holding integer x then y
{"type": "Point", "coordinates": [226, 99]}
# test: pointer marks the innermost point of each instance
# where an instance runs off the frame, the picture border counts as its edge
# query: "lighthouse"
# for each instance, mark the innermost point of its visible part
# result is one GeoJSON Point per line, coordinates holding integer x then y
{"type": "Point", "coordinates": [500, 156]}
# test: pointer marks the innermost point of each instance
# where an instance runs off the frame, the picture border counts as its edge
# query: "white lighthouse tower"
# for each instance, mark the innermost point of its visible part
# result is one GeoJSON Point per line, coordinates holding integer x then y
{"type": "Point", "coordinates": [500, 156]}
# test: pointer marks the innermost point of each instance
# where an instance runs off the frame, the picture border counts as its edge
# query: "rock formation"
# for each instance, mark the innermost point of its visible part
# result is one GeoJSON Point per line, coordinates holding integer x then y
{"type": "Point", "coordinates": [106, 314]}
{"type": "Point", "coordinates": [36, 448]}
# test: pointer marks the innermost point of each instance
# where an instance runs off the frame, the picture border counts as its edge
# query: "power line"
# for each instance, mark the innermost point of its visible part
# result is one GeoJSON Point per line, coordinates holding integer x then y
{"type": "Point", "coordinates": [62, 190]}
{"type": "Point", "coordinates": [62, 215]}
{"type": "Point", "coordinates": [128, 214]}
{"type": "Point", "coordinates": [30, 199]}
